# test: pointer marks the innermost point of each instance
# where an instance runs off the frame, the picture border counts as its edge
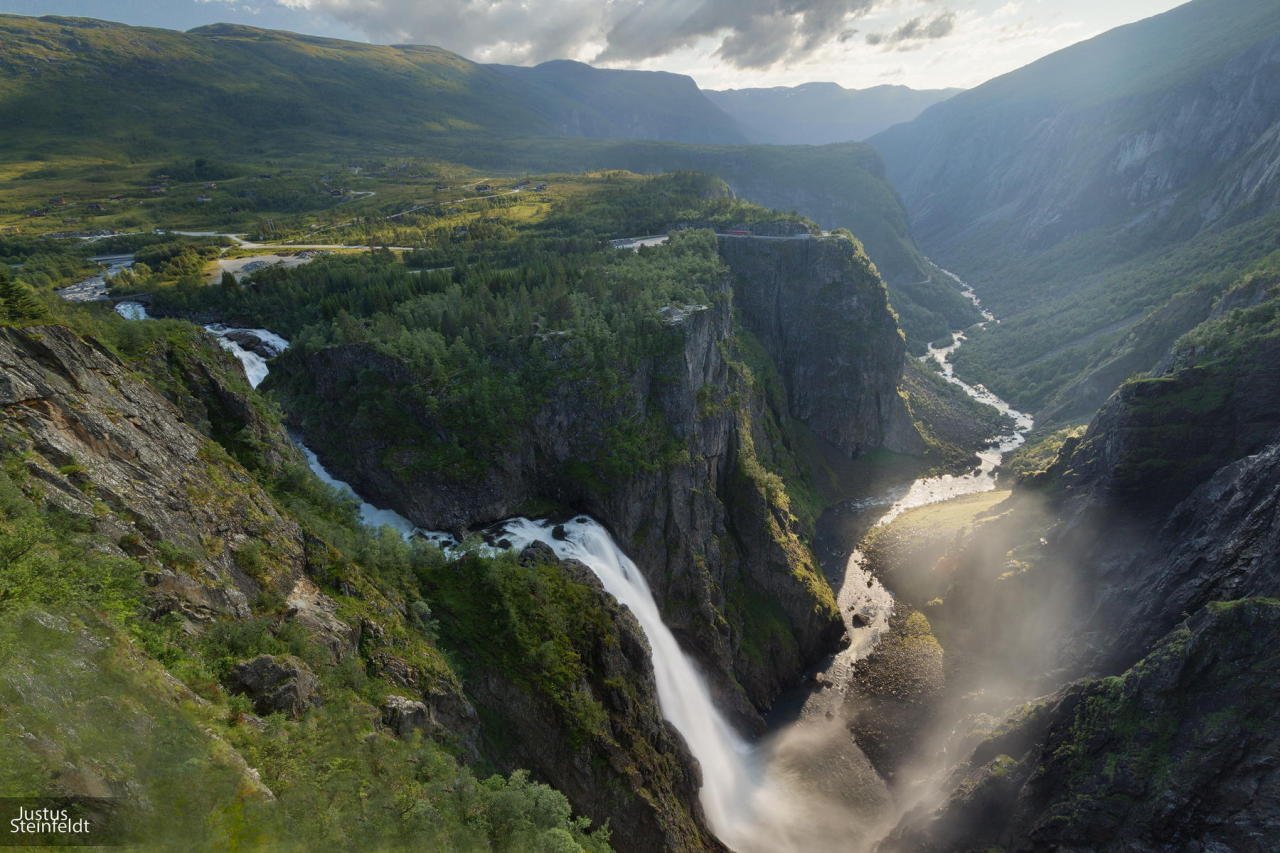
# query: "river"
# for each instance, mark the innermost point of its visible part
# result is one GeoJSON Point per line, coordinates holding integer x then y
{"type": "Point", "coordinates": [94, 288]}
{"type": "Point", "coordinates": [805, 787]}
{"type": "Point", "coordinates": [812, 789]}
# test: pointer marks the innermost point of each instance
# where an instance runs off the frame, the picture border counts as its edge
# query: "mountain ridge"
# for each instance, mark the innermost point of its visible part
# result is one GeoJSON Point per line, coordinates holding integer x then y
{"type": "Point", "coordinates": [819, 113]}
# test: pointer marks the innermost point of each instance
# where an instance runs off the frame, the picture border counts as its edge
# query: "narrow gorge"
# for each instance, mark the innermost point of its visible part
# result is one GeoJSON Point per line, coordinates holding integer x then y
{"type": "Point", "coordinates": [751, 795]}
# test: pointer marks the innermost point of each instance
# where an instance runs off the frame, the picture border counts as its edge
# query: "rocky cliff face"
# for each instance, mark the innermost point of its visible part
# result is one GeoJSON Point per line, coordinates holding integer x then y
{"type": "Point", "coordinates": [108, 448]}
{"type": "Point", "coordinates": [822, 314]}
{"type": "Point", "coordinates": [710, 526]}
{"type": "Point", "coordinates": [1124, 130]}
{"type": "Point", "coordinates": [1180, 470]}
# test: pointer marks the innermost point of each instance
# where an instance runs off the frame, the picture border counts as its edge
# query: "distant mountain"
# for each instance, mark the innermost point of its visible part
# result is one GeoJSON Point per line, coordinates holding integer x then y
{"type": "Point", "coordinates": [1060, 189]}
{"type": "Point", "coordinates": [87, 86]}
{"type": "Point", "coordinates": [603, 103]}
{"type": "Point", "coordinates": [819, 113]}
{"type": "Point", "coordinates": [95, 86]}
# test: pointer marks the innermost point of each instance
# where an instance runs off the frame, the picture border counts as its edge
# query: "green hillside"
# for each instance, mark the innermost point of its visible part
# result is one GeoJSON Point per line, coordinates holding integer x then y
{"type": "Point", "coordinates": [232, 128]}
{"type": "Point", "coordinates": [79, 86]}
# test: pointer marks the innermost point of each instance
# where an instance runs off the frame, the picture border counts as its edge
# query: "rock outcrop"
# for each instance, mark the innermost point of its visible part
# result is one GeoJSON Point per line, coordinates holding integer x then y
{"type": "Point", "coordinates": [1170, 497]}
{"type": "Point", "coordinates": [822, 314]}
{"type": "Point", "coordinates": [631, 766]}
{"type": "Point", "coordinates": [275, 684]}
{"type": "Point", "coordinates": [108, 448]}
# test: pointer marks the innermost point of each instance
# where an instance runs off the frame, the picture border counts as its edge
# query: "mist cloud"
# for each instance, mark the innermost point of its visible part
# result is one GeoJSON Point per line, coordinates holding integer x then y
{"type": "Point", "coordinates": [751, 34]}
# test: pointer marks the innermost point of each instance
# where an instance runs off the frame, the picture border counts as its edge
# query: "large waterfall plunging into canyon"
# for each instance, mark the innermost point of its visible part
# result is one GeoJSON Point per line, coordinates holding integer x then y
{"type": "Point", "coordinates": [797, 790]}
{"type": "Point", "coordinates": [728, 772]}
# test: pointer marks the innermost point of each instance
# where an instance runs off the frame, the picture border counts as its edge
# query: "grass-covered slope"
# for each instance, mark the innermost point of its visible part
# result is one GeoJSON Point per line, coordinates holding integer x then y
{"type": "Point", "coordinates": [1064, 349]}
{"type": "Point", "coordinates": [123, 617]}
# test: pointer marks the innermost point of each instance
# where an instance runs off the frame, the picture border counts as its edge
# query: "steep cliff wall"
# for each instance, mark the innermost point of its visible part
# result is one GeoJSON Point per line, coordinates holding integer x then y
{"type": "Point", "coordinates": [1169, 121]}
{"type": "Point", "coordinates": [1181, 467]}
{"type": "Point", "coordinates": [823, 316]}
{"type": "Point", "coordinates": [1174, 753]}
{"type": "Point", "coordinates": [701, 513]}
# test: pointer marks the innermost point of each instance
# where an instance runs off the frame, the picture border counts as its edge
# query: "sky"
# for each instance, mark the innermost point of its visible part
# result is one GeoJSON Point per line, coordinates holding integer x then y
{"type": "Point", "coordinates": [721, 43]}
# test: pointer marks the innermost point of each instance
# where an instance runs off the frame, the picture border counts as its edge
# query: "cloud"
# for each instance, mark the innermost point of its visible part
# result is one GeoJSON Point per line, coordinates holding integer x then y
{"type": "Point", "coordinates": [744, 34]}
{"type": "Point", "coordinates": [914, 31]}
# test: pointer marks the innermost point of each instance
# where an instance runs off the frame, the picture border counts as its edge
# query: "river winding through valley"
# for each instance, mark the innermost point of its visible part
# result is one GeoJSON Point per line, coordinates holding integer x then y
{"type": "Point", "coordinates": [806, 786]}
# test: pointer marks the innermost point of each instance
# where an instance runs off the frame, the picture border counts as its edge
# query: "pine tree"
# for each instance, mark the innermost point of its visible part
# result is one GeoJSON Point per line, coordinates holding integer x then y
{"type": "Point", "coordinates": [18, 303]}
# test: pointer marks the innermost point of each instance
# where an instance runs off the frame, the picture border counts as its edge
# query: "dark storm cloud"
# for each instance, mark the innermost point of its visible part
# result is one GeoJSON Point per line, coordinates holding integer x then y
{"type": "Point", "coordinates": [751, 33]}
{"type": "Point", "coordinates": [915, 30]}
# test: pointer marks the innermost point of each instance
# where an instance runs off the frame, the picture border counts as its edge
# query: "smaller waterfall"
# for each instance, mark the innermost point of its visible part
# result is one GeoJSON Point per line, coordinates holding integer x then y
{"type": "Point", "coordinates": [256, 370]}
{"type": "Point", "coordinates": [255, 365]}
{"type": "Point", "coordinates": [728, 772]}
{"type": "Point", "coordinates": [131, 310]}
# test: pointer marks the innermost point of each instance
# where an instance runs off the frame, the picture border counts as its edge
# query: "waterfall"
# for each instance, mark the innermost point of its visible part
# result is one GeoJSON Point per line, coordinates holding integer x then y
{"type": "Point", "coordinates": [256, 370]}
{"type": "Point", "coordinates": [729, 775]}
{"type": "Point", "coordinates": [255, 365]}
{"type": "Point", "coordinates": [728, 772]}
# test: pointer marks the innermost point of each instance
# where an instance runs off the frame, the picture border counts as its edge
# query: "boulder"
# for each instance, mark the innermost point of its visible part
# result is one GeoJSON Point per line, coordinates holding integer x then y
{"type": "Point", "coordinates": [276, 684]}
{"type": "Point", "coordinates": [405, 716]}
{"type": "Point", "coordinates": [537, 553]}
{"type": "Point", "coordinates": [252, 342]}
{"type": "Point", "coordinates": [443, 716]}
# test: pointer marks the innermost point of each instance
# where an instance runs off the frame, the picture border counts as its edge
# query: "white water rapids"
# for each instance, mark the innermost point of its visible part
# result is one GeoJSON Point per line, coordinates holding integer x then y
{"type": "Point", "coordinates": [797, 790]}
